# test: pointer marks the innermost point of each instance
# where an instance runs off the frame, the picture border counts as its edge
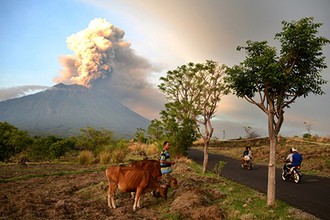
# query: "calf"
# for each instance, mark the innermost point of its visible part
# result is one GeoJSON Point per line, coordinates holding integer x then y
{"type": "Point", "coordinates": [130, 179]}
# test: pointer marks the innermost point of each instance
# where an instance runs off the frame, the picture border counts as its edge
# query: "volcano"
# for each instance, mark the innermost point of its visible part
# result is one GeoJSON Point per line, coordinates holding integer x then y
{"type": "Point", "coordinates": [63, 110]}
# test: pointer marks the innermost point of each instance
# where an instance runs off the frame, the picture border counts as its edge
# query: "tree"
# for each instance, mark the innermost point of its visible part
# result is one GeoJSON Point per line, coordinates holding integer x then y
{"type": "Point", "coordinates": [308, 127]}
{"type": "Point", "coordinates": [12, 141]}
{"type": "Point", "coordinates": [155, 130]}
{"type": "Point", "coordinates": [41, 148]}
{"type": "Point", "coordinates": [273, 82]}
{"type": "Point", "coordinates": [250, 133]}
{"type": "Point", "coordinates": [140, 135]}
{"type": "Point", "coordinates": [94, 140]}
{"type": "Point", "coordinates": [194, 91]}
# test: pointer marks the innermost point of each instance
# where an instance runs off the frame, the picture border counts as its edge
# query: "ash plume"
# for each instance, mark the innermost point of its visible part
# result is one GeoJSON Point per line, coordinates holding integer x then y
{"type": "Point", "coordinates": [94, 49]}
{"type": "Point", "coordinates": [102, 60]}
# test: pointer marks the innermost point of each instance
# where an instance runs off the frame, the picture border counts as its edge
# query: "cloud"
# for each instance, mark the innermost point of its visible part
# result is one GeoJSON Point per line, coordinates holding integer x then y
{"type": "Point", "coordinates": [19, 91]}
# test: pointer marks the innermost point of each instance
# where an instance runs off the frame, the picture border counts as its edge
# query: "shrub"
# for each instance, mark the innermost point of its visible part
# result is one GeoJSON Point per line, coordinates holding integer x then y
{"type": "Point", "coordinates": [152, 149]}
{"type": "Point", "coordinates": [307, 136]}
{"type": "Point", "coordinates": [12, 141]}
{"type": "Point", "coordinates": [105, 157]}
{"type": "Point", "coordinates": [61, 147]}
{"type": "Point", "coordinates": [85, 157]}
{"type": "Point", "coordinates": [119, 154]}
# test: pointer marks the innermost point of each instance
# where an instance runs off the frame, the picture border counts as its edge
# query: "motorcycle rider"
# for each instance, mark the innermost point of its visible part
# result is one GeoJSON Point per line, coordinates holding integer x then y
{"type": "Point", "coordinates": [247, 154]}
{"type": "Point", "coordinates": [293, 159]}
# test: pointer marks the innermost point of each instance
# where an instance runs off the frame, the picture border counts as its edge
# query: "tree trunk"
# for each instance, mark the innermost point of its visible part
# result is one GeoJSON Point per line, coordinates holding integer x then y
{"type": "Point", "coordinates": [206, 156]}
{"type": "Point", "coordinates": [271, 185]}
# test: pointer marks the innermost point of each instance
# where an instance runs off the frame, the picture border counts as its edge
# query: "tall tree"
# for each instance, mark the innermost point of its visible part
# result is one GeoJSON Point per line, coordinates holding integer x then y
{"type": "Point", "coordinates": [273, 82]}
{"type": "Point", "coordinates": [194, 92]}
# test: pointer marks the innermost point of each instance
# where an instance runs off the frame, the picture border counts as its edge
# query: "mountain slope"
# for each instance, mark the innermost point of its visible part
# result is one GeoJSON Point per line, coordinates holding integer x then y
{"type": "Point", "coordinates": [63, 110]}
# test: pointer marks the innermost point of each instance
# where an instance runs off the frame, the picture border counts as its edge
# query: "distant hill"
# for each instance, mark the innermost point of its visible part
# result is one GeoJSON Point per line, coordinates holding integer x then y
{"type": "Point", "coordinates": [64, 109]}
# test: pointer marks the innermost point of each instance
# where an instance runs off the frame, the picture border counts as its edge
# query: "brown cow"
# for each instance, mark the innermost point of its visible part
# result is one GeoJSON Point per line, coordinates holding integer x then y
{"type": "Point", "coordinates": [153, 167]}
{"type": "Point", "coordinates": [130, 179]}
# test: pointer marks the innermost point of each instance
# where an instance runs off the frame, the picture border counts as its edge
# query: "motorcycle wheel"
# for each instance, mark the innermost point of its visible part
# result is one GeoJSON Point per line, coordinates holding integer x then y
{"type": "Point", "coordinates": [284, 175]}
{"type": "Point", "coordinates": [296, 177]}
{"type": "Point", "coordinates": [242, 165]}
{"type": "Point", "coordinates": [249, 166]}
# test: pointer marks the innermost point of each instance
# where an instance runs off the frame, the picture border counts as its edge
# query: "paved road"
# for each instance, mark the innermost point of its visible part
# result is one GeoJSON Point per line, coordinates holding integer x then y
{"type": "Point", "coordinates": [312, 195]}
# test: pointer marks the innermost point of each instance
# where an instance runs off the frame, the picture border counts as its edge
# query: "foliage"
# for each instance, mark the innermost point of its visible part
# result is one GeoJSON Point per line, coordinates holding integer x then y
{"type": "Point", "coordinates": [278, 80]}
{"type": "Point", "coordinates": [184, 137]}
{"type": "Point", "coordinates": [40, 148]}
{"type": "Point", "coordinates": [119, 151]}
{"type": "Point", "coordinates": [85, 157]}
{"type": "Point", "coordinates": [61, 147]}
{"type": "Point", "coordinates": [12, 141]}
{"type": "Point", "coordinates": [218, 167]}
{"type": "Point", "coordinates": [250, 133]}
{"type": "Point", "coordinates": [94, 140]}
{"type": "Point", "coordinates": [155, 130]}
{"type": "Point", "coordinates": [181, 136]}
{"type": "Point", "coordinates": [105, 157]}
{"type": "Point", "coordinates": [307, 135]}
{"type": "Point", "coordinates": [140, 135]}
{"type": "Point", "coordinates": [193, 91]}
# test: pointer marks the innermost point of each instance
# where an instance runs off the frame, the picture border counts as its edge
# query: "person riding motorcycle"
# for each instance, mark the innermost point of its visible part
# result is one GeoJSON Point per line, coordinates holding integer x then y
{"type": "Point", "coordinates": [247, 154]}
{"type": "Point", "coordinates": [293, 159]}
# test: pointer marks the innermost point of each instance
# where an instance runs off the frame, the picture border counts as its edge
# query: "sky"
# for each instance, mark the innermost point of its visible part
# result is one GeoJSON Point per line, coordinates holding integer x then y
{"type": "Point", "coordinates": [38, 50]}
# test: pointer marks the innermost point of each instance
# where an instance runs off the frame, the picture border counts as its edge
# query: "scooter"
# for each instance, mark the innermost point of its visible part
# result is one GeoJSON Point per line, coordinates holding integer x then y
{"type": "Point", "coordinates": [246, 162]}
{"type": "Point", "coordinates": [295, 174]}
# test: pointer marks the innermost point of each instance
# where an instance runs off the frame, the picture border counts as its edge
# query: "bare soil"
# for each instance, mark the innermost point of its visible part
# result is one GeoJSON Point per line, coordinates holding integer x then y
{"type": "Point", "coordinates": [70, 191]}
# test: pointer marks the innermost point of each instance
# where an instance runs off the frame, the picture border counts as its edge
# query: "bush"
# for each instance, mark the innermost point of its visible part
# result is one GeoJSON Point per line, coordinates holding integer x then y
{"type": "Point", "coordinates": [105, 157]}
{"type": "Point", "coordinates": [12, 141]}
{"type": "Point", "coordinates": [119, 151]}
{"type": "Point", "coordinates": [119, 155]}
{"type": "Point", "coordinates": [85, 157]}
{"type": "Point", "coordinates": [152, 149]}
{"type": "Point", "coordinates": [61, 147]}
{"type": "Point", "coordinates": [307, 136]}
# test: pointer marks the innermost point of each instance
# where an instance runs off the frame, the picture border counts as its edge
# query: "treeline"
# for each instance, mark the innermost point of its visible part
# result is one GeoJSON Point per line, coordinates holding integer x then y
{"type": "Point", "coordinates": [91, 145]}
{"type": "Point", "coordinates": [16, 144]}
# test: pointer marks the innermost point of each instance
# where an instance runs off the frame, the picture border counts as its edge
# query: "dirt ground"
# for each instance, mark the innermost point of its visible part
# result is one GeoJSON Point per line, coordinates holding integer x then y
{"type": "Point", "coordinates": [59, 191]}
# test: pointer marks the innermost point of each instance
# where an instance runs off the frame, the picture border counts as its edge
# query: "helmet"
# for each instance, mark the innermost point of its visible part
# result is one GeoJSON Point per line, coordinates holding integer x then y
{"type": "Point", "coordinates": [294, 149]}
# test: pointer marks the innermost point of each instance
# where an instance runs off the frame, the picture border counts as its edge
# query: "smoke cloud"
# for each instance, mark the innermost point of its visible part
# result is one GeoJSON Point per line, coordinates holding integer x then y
{"type": "Point", "coordinates": [94, 50]}
{"type": "Point", "coordinates": [103, 61]}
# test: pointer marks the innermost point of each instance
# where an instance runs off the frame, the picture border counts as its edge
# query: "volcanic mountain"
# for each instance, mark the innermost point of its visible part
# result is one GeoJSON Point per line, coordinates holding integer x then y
{"type": "Point", "coordinates": [63, 110]}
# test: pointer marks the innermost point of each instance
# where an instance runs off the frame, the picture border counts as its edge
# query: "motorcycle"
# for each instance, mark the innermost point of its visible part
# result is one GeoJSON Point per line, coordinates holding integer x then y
{"type": "Point", "coordinates": [246, 162]}
{"type": "Point", "coordinates": [295, 174]}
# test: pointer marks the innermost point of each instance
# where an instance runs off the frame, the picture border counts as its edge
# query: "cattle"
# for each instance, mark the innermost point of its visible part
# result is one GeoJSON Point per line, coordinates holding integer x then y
{"type": "Point", "coordinates": [130, 179]}
{"type": "Point", "coordinates": [153, 167]}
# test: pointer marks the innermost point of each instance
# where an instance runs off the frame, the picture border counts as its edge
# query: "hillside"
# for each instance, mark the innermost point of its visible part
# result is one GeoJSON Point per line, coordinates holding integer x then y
{"type": "Point", "coordinates": [64, 109]}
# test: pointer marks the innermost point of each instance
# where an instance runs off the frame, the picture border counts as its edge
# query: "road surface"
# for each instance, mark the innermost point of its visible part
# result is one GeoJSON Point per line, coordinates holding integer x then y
{"type": "Point", "coordinates": [312, 195]}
